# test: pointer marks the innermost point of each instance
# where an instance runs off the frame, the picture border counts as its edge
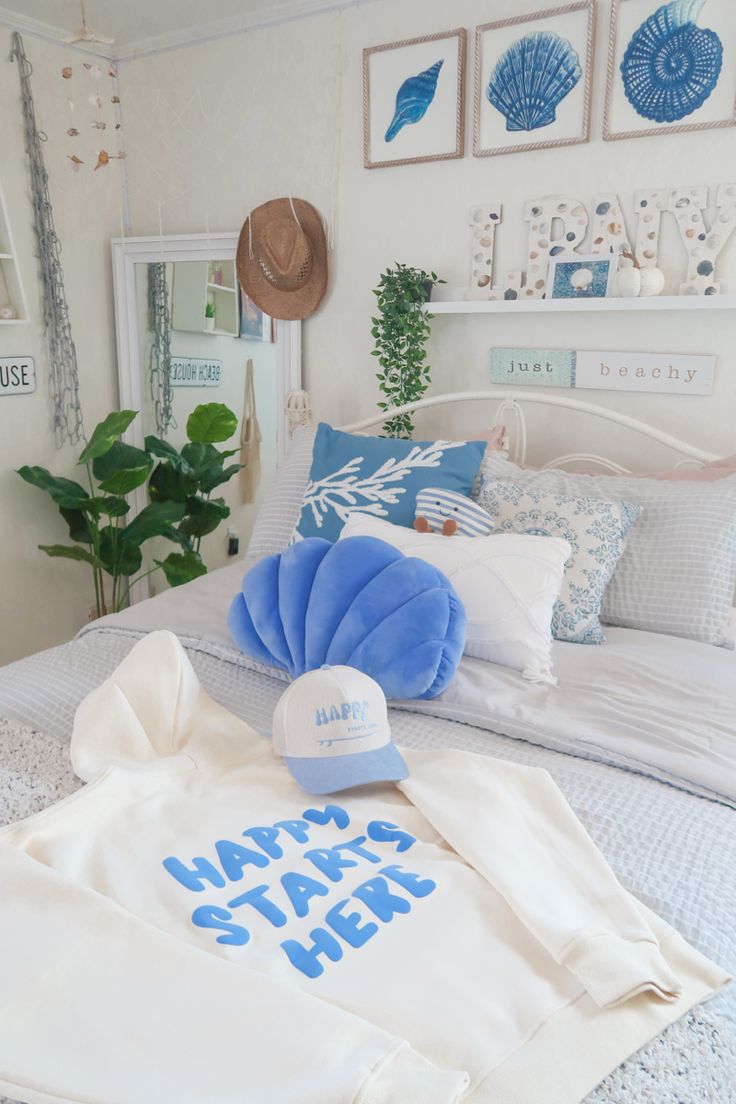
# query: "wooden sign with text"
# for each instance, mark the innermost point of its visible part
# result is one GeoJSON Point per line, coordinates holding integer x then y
{"type": "Point", "coordinates": [658, 373]}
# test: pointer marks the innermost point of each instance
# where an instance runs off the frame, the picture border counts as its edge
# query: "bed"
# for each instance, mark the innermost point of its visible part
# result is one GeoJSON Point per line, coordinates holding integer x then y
{"type": "Point", "coordinates": [640, 735]}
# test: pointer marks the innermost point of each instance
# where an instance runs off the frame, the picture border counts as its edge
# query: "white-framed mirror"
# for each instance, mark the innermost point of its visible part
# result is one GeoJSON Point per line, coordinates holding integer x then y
{"type": "Point", "coordinates": [209, 358]}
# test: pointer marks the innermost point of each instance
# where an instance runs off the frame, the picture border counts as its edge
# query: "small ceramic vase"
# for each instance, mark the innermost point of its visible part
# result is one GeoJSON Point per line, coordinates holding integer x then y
{"type": "Point", "coordinates": [652, 282]}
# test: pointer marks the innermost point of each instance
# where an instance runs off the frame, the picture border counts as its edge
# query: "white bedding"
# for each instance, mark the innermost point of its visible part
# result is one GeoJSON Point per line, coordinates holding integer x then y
{"type": "Point", "coordinates": [657, 704]}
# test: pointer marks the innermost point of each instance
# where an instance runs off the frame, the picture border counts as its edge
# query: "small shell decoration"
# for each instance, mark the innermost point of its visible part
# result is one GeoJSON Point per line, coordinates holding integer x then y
{"type": "Point", "coordinates": [532, 78]}
{"type": "Point", "coordinates": [413, 99]}
{"type": "Point", "coordinates": [671, 66]}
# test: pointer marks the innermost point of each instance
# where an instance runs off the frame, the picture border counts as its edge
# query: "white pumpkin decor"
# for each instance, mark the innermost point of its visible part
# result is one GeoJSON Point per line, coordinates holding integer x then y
{"type": "Point", "coordinates": [652, 282]}
{"type": "Point", "coordinates": [628, 281]}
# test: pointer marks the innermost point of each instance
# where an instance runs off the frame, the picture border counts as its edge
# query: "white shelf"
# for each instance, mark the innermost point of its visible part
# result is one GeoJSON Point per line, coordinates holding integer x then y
{"type": "Point", "coordinates": [553, 306]}
{"type": "Point", "coordinates": [221, 287]}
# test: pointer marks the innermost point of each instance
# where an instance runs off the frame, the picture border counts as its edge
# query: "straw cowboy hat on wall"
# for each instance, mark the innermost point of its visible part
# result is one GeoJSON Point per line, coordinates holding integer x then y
{"type": "Point", "coordinates": [282, 258]}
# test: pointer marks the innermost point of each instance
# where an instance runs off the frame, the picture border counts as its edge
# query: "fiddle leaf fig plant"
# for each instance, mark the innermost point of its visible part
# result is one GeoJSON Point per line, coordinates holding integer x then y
{"type": "Point", "coordinates": [401, 331]}
{"type": "Point", "coordinates": [181, 507]}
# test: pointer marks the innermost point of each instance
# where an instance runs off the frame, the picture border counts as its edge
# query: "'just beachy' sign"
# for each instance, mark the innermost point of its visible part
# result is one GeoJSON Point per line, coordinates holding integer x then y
{"type": "Point", "coordinates": [663, 373]}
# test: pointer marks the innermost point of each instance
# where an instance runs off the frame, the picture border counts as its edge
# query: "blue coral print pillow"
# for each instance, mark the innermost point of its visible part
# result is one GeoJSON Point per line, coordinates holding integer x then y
{"type": "Point", "coordinates": [379, 476]}
{"type": "Point", "coordinates": [596, 531]}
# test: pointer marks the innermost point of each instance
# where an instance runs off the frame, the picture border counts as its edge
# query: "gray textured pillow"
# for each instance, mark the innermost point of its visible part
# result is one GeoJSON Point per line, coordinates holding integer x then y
{"type": "Point", "coordinates": [279, 514]}
{"type": "Point", "coordinates": [678, 572]}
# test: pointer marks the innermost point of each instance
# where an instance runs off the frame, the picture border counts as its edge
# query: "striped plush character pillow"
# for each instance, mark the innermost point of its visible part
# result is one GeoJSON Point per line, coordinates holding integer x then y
{"type": "Point", "coordinates": [440, 511]}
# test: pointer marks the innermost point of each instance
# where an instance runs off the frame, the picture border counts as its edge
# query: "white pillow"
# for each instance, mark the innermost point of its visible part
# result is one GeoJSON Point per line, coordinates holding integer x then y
{"type": "Point", "coordinates": [508, 584]}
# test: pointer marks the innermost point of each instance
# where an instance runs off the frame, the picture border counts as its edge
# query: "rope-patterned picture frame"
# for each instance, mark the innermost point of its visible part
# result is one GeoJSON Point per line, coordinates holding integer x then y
{"type": "Point", "coordinates": [700, 36]}
{"type": "Point", "coordinates": [587, 10]}
{"type": "Point", "coordinates": [418, 89]}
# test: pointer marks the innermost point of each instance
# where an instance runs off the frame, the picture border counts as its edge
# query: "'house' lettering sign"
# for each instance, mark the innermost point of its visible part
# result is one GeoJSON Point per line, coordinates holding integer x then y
{"type": "Point", "coordinates": [17, 375]}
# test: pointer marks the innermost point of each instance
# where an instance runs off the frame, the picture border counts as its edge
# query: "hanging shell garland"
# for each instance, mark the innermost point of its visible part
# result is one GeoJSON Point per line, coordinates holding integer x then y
{"type": "Point", "coordinates": [413, 99]}
{"type": "Point", "coordinates": [671, 66]}
{"type": "Point", "coordinates": [532, 78]}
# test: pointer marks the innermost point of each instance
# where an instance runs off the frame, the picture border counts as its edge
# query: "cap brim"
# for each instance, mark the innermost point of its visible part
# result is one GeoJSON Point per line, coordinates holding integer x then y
{"type": "Point", "coordinates": [331, 774]}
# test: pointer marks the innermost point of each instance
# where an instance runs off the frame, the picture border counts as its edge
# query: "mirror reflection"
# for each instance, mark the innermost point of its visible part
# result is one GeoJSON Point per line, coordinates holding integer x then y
{"type": "Point", "coordinates": [202, 341]}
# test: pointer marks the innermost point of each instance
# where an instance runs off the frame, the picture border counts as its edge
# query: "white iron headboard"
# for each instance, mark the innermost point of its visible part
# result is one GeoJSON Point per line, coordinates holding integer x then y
{"type": "Point", "coordinates": [510, 409]}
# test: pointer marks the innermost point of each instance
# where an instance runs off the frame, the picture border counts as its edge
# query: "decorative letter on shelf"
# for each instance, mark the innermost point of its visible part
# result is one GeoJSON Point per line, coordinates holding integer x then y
{"type": "Point", "coordinates": [703, 246]}
{"type": "Point", "coordinates": [557, 224]}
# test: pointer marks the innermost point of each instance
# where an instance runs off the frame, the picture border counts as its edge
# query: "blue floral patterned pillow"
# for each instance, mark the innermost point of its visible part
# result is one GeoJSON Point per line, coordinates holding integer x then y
{"type": "Point", "coordinates": [380, 476]}
{"type": "Point", "coordinates": [596, 531]}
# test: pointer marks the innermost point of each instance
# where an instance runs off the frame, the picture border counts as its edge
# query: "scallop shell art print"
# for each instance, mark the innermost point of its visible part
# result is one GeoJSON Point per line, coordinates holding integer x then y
{"type": "Point", "coordinates": [532, 78]}
{"type": "Point", "coordinates": [413, 99]}
{"type": "Point", "coordinates": [671, 65]}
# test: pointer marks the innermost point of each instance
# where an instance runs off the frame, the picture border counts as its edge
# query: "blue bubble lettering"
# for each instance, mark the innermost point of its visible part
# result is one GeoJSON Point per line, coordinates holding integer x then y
{"type": "Point", "coordinates": [355, 846]}
{"type": "Point", "coordinates": [349, 927]}
{"type": "Point", "coordinates": [194, 879]}
{"type": "Point", "coordinates": [297, 829]}
{"type": "Point", "coordinates": [383, 831]}
{"type": "Point", "coordinates": [378, 897]}
{"type": "Point", "coordinates": [265, 838]}
{"type": "Point", "coordinates": [324, 816]}
{"type": "Point", "coordinates": [416, 885]}
{"type": "Point", "coordinates": [306, 959]}
{"type": "Point", "coordinates": [257, 898]}
{"type": "Point", "coordinates": [234, 857]}
{"type": "Point", "coordinates": [300, 889]}
{"type": "Point", "coordinates": [328, 862]}
{"type": "Point", "coordinates": [209, 916]}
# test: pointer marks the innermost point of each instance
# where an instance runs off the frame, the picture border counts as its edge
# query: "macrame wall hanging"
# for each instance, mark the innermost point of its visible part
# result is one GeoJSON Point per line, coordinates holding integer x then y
{"type": "Point", "coordinates": [63, 371]}
{"type": "Point", "coordinates": [159, 357]}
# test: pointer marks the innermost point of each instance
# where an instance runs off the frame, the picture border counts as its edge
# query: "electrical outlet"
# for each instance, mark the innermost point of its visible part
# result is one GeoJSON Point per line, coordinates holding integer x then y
{"type": "Point", "coordinates": [233, 542]}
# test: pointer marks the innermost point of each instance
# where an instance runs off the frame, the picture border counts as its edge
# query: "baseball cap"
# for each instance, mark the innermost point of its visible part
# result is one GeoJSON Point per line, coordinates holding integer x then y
{"type": "Point", "coordinates": [331, 726]}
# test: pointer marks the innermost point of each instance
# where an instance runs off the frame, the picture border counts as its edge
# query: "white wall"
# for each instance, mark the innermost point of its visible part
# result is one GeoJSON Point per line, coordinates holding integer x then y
{"type": "Point", "coordinates": [215, 128]}
{"type": "Point", "coordinates": [43, 601]}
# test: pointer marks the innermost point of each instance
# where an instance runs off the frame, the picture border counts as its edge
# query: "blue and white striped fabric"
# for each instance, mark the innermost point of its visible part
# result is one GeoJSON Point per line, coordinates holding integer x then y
{"type": "Point", "coordinates": [438, 506]}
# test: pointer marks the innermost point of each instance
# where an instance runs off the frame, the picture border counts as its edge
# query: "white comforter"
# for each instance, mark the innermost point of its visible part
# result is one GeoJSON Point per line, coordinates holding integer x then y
{"type": "Point", "coordinates": [656, 704]}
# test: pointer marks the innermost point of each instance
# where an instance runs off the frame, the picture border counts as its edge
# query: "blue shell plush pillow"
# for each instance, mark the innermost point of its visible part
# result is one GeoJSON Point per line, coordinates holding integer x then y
{"type": "Point", "coordinates": [380, 476]}
{"type": "Point", "coordinates": [360, 603]}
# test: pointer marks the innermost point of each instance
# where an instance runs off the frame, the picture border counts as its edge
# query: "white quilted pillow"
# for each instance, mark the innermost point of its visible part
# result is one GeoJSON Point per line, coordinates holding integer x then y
{"type": "Point", "coordinates": [508, 584]}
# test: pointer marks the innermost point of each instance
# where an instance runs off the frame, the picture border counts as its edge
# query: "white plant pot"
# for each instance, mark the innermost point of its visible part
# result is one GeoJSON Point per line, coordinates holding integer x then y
{"type": "Point", "coordinates": [628, 283]}
{"type": "Point", "coordinates": [209, 324]}
{"type": "Point", "coordinates": [652, 282]}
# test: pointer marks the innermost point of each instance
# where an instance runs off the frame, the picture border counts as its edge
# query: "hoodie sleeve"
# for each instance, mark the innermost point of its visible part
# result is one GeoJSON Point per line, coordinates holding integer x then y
{"type": "Point", "coordinates": [122, 723]}
{"type": "Point", "coordinates": [97, 1006]}
{"type": "Point", "coordinates": [514, 826]}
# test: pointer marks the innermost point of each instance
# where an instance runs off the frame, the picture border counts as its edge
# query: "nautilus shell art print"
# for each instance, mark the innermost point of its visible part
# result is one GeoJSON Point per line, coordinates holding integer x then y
{"type": "Point", "coordinates": [671, 65]}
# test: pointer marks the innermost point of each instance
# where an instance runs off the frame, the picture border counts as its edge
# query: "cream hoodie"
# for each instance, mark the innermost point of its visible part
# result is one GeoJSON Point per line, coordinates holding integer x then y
{"type": "Point", "coordinates": [192, 927]}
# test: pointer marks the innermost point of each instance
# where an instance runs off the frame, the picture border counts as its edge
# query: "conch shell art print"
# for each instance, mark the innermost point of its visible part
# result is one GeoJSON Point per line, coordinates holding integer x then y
{"type": "Point", "coordinates": [413, 99]}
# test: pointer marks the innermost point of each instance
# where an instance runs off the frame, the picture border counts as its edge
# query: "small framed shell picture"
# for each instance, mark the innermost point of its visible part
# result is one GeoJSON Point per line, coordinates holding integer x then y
{"type": "Point", "coordinates": [671, 67]}
{"type": "Point", "coordinates": [533, 80]}
{"type": "Point", "coordinates": [414, 100]}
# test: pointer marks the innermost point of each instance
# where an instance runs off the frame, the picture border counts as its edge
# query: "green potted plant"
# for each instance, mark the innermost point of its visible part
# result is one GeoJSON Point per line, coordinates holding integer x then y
{"type": "Point", "coordinates": [181, 505]}
{"type": "Point", "coordinates": [209, 316]}
{"type": "Point", "coordinates": [400, 331]}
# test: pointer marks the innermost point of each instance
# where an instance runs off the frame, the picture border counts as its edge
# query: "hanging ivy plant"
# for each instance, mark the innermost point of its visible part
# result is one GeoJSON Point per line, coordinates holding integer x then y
{"type": "Point", "coordinates": [401, 331]}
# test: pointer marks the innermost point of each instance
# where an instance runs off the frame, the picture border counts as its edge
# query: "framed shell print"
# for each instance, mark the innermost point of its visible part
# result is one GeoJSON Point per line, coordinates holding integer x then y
{"type": "Point", "coordinates": [414, 100]}
{"type": "Point", "coordinates": [671, 67]}
{"type": "Point", "coordinates": [533, 80]}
